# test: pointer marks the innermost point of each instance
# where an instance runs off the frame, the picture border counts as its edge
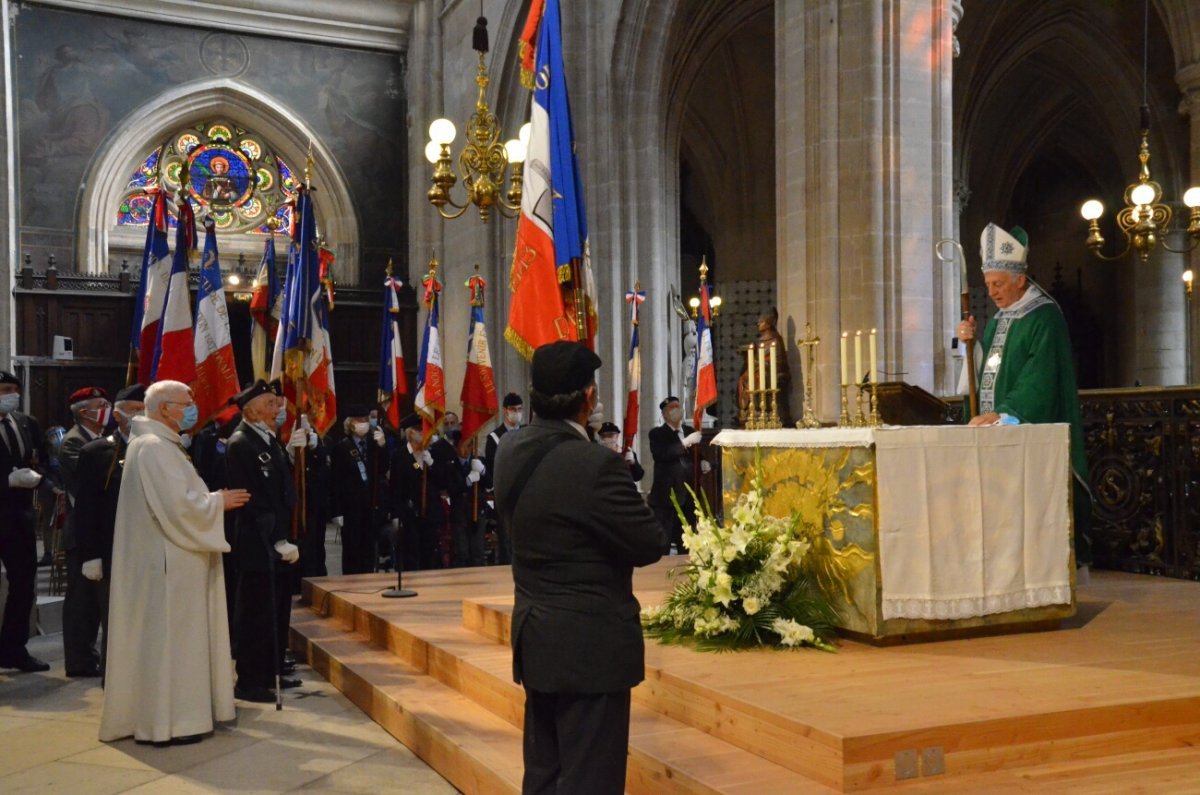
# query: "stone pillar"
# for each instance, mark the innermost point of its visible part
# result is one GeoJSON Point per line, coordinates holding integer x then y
{"type": "Point", "coordinates": [8, 250]}
{"type": "Point", "coordinates": [863, 148]}
{"type": "Point", "coordinates": [1188, 79]}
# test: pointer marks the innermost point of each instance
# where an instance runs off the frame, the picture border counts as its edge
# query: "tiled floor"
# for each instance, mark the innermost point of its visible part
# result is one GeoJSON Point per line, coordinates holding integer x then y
{"type": "Point", "coordinates": [320, 742]}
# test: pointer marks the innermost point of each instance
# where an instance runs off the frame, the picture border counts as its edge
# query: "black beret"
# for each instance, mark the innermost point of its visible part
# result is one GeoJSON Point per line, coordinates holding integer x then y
{"type": "Point", "coordinates": [563, 367]}
{"type": "Point", "coordinates": [512, 399]}
{"type": "Point", "coordinates": [8, 378]}
{"type": "Point", "coordinates": [259, 387]}
{"type": "Point", "coordinates": [135, 392]}
{"type": "Point", "coordinates": [359, 410]}
{"type": "Point", "coordinates": [667, 400]}
{"type": "Point", "coordinates": [608, 427]}
{"type": "Point", "coordinates": [411, 421]}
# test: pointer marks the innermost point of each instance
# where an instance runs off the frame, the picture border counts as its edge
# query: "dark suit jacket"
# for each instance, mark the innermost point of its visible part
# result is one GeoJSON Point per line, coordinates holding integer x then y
{"type": "Point", "coordinates": [16, 504]}
{"type": "Point", "coordinates": [672, 466]}
{"type": "Point", "coordinates": [262, 468]}
{"type": "Point", "coordinates": [489, 453]}
{"type": "Point", "coordinates": [406, 487]}
{"type": "Point", "coordinates": [578, 528]}
{"type": "Point", "coordinates": [352, 496]}
{"type": "Point", "coordinates": [97, 486]}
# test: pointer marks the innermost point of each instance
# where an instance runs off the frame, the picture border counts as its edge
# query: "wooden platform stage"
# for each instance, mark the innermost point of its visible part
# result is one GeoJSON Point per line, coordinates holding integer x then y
{"type": "Point", "coordinates": [1110, 702]}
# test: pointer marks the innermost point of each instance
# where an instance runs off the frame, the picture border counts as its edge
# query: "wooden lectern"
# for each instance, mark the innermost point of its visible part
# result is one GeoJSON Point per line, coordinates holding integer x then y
{"type": "Point", "coordinates": [905, 404]}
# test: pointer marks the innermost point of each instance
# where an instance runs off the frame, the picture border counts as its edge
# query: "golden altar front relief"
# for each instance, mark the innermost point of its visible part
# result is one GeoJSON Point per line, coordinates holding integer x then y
{"type": "Point", "coordinates": [927, 531]}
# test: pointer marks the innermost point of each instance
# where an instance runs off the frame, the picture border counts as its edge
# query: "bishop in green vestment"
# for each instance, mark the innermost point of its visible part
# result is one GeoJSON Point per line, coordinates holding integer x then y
{"type": "Point", "coordinates": [1027, 374]}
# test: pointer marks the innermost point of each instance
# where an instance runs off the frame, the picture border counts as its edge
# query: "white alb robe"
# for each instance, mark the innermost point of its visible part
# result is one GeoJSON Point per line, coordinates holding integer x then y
{"type": "Point", "coordinates": [169, 671]}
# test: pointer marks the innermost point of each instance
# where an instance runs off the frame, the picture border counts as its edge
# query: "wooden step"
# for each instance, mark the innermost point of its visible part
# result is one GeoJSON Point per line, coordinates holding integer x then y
{"type": "Point", "coordinates": [665, 755]}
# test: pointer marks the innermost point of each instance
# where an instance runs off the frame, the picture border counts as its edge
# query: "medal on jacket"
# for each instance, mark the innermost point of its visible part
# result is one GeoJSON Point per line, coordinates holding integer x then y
{"type": "Point", "coordinates": [264, 459]}
{"type": "Point", "coordinates": [362, 468]}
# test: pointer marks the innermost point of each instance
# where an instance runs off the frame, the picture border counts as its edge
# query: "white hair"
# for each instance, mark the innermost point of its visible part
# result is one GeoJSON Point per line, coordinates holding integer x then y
{"type": "Point", "coordinates": [161, 392]}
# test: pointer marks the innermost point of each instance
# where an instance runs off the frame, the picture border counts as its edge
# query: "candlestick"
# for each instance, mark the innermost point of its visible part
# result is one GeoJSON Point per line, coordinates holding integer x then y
{"type": "Point", "coordinates": [809, 374]}
{"type": "Point", "coordinates": [774, 365]}
{"type": "Point", "coordinates": [844, 417]}
{"type": "Point", "coordinates": [844, 343]}
{"type": "Point", "coordinates": [751, 384]}
{"type": "Point", "coordinates": [857, 357]}
{"type": "Point", "coordinates": [874, 360]}
{"type": "Point", "coordinates": [762, 367]}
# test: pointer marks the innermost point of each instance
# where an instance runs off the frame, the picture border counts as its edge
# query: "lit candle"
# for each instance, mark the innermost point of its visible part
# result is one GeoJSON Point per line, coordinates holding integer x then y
{"type": "Point", "coordinates": [844, 381]}
{"type": "Point", "coordinates": [857, 356]}
{"type": "Point", "coordinates": [774, 373]}
{"type": "Point", "coordinates": [762, 367]}
{"type": "Point", "coordinates": [751, 383]}
{"type": "Point", "coordinates": [874, 360]}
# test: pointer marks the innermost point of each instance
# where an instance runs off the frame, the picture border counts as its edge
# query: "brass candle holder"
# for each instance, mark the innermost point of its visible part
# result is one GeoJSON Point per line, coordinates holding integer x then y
{"type": "Point", "coordinates": [809, 418]}
{"type": "Point", "coordinates": [844, 417]}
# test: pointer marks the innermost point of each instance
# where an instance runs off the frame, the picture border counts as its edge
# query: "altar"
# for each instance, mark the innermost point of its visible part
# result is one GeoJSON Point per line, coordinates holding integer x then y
{"type": "Point", "coordinates": [928, 531]}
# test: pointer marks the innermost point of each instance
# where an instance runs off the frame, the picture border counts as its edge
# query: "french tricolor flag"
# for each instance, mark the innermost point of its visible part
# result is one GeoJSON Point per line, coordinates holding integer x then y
{"type": "Point", "coordinates": [478, 397]}
{"type": "Point", "coordinates": [216, 374]}
{"type": "Point", "coordinates": [174, 354]}
{"type": "Point", "coordinates": [706, 373]}
{"type": "Point", "coordinates": [635, 298]}
{"type": "Point", "coordinates": [430, 401]}
{"type": "Point", "coordinates": [393, 383]}
{"type": "Point", "coordinates": [152, 288]}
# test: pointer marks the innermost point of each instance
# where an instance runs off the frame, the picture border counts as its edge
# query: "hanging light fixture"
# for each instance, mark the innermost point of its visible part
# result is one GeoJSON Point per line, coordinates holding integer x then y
{"type": "Point", "coordinates": [1145, 220]}
{"type": "Point", "coordinates": [483, 161]}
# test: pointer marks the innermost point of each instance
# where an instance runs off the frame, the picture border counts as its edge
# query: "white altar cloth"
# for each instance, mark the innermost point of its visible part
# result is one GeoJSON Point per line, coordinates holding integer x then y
{"type": "Point", "coordinates": [971, 521]}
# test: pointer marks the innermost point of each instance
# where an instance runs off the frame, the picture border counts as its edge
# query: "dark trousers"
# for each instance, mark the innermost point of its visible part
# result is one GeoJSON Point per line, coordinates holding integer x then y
{"type": "Point", "coordinates": [421, 543]}
{"type": "Point", "coordinates": [467, 525]}
{"type": "Point", "coordinates": [672, 527]}
{"type": "Point", "coordinates": [102, 601]}
{"type": "Point", "coordinates": [18, 553]}
{"type": "Point", "coordinates": [258, 655]}
{"type": "Point", "coordinates": [575, 743]}
{"type": "Point", "coordinates": [81, 617]}
{"type": "Point", "coordinates": [359, 550]}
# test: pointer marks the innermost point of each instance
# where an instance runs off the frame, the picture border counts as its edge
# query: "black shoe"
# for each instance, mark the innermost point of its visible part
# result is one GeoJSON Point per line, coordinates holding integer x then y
{"type": "Point", "coordinates": [259, 695]}
{"type": "Point", "coordinates": [289, 683]}
{"type": "Point", "coordinates": [155, 743]}
{"type": "Point", "coordinates": [189, 739]}
{"type": "Point", "coordinates": [288, 668]}
{"type": "Point", "coordinates": [28, 663]}
{"type": "Point", "coordinates": [82, 673]}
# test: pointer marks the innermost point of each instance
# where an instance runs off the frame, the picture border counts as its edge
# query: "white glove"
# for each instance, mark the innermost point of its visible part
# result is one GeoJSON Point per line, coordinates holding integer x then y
{"type": "Point", "coordinates": [312, 440]}
{"type": "Point", "coordinates": [289, 552]}
{"type": "Point", "coordinates": [339, 521]}
{"type": "Point", "coordinates": [379, 438]}
{"type": "Point", "coordinates": [692, 438]}
{"type": "Point", "coordinates": [23, 478]}
{"type": "Point", "coordinates": [426, 458]}
{"type": "Point", "coordinates": [705, 467]}
{"type": "Point", "coordinates": [298, 439]}
{"type": "Point", "coordinates": [629, 456]}
{"type": "Point", "coordinates": [472, 478]}
{"type": "Point", "coordinates": [93, 569]}
{"type": "Point", "coordinates": [477, 466]}
{"type": "Point", "coordinates": [597, 416]}
{"type": "Point", "coordinates": [395, 524]}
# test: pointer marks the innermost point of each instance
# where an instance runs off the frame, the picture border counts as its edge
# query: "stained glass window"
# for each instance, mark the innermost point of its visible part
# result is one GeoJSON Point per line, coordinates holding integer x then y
{"type": "Point", "coordinates": [228, 171]}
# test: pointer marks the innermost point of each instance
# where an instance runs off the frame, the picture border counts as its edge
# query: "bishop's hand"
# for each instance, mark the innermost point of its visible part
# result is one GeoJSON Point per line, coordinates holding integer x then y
{"type": "Point", "coordinates": [234, 498]}
{"type": "Point", "coordinates": [966, 330]}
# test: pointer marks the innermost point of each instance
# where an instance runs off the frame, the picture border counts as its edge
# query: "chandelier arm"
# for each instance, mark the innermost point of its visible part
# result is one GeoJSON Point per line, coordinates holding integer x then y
{"type": "Point", "coordinates": [1192, 247]}
{"type": "Point", "coordinates": [451, 216]}
{"type": "Point", "coordinates": [1099, 255]}
{"type": "Point", "coordinates": [514, 208]}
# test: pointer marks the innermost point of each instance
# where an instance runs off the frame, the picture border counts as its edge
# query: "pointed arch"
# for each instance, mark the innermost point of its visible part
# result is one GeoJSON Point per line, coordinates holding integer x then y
{"type": "Point", "coordinates": [125, 147]}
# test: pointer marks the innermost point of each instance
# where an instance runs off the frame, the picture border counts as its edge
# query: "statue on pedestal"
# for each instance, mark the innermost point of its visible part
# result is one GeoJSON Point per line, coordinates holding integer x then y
{"type": "Point", "coordinates": [767, 334]}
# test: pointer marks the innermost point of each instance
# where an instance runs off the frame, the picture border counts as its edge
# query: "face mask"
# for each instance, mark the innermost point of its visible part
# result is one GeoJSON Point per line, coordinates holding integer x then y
{"type": "Point", "coordinates": [101, 416]}
{"type": "Point", "coordinates": [513, 417]}
{"type": "Point", "coordinates": [673, 415]}
{"type": "Point", "coordinates": [373, 423]}
{"type": "Point", "coordinates": [361, 428]}
{"type": "Point", "coordinates": [129, 417]}
{"type": "Point", "coordinates": [10, 403]}
{"type": "Point", "coordinates": [280, 416]}
{"type": "Point", "coordinates": [190, 415]}
{"type": "Point", "coordinates": [454, 434]}
{"type": "Point", "coordinates": [611, 442]}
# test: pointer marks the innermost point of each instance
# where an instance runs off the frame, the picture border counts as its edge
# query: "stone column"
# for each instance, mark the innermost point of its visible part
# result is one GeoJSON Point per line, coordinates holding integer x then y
{"type": "Point", "coordinates": [864, 182]}
{"type": "Point", "coordinates": [9, 259]}
{"type": "Point", "coordinates": [1188, 79]}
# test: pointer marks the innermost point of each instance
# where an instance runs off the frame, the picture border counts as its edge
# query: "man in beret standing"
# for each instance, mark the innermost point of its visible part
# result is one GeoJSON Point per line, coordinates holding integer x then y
{"type": "Point", "coordinates": [576, 634]}
{"type": "Point", "coordinates": [22, 453]}
{"type": "Point", "coordinates": [670, 446]}
{"type": "Point", "coordinates": [97, 487]}
{"type": "Point", "coordinates": [256, 461]}
{"type": "Point", "coordinates": [81, 606]}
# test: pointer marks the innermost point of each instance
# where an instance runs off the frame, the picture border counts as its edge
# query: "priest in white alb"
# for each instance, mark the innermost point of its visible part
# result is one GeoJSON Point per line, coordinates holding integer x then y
{"type": "Point", "coordinates": [170, 673]}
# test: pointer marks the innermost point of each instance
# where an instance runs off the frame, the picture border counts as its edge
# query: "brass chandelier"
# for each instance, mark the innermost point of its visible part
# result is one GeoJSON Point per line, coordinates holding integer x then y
{"type": "Point", "coordinates": [1145, 219]}
{"type": "Point", "coordinates": [483, 161]}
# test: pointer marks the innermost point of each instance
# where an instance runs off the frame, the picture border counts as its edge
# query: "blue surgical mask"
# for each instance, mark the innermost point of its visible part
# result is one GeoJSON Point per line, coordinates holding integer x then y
{"type": "Point", "coordinates": [280, 416]}
{"type": "Point", "coordinates": [374, 423]}
{"type": "Point", "coordinates": [10, 403]}
{"type": "Point", "coordinates": [190, 415]}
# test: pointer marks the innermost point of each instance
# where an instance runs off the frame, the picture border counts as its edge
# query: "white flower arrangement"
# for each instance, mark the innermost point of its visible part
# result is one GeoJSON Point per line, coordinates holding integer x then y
{"type": "Point", "coordinates": [745, 585]}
